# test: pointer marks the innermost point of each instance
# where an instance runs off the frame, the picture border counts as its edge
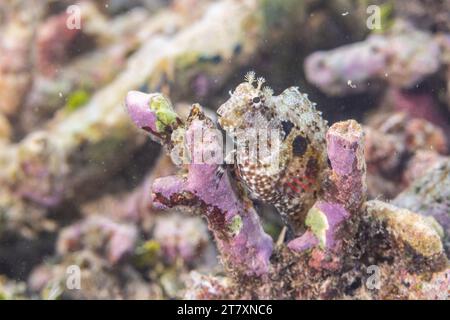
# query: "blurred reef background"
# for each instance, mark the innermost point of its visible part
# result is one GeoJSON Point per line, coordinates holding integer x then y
{"type": "Point", "coordinates": [76, 175]}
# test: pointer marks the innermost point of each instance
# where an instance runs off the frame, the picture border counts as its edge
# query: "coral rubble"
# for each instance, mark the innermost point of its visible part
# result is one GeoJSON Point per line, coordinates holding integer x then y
{"type": "Point", "coordinates": [402, 57]}
{"type": "Point", "coordinates": [112, 190]}
{"type": "Point", "coordinates": [341, 227]}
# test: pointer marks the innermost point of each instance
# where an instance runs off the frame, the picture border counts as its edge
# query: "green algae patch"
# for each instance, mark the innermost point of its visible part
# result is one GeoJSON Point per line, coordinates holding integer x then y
{"type": "Point", "coordinates": [235, 225]}
{"type": "Point", "coordinates": [317, 221]}
{"type": "Point", "coordinates": [76, 100]}
{"type": "Point", "coordinates": [165, 115]}
{"type": "Point", "coordinates": [147, 253]}
{"type": "Point", "coordinates": [185, 60]}
{"type": "Point", "coordinates": [386, 17]}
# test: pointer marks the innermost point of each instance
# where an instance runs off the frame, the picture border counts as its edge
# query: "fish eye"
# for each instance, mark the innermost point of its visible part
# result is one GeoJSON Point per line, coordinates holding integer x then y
{"type": "Point", "coordinates": [256, 100]}
{"type": "Point", "coordinates": [299, 146]}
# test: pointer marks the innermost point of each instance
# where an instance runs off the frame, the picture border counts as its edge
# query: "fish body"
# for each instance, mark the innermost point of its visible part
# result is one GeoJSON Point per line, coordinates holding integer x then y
{"type": "Point", "coordinates": [280, 147]}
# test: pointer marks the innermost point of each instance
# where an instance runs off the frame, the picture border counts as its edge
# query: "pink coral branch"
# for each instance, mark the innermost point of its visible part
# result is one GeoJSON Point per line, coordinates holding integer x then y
{"type": "Point", "coordinates": [403, 57]}
{"type": "Point", "coordinates": [344, 192]}
{"type": "Point", "coordinates": [244, 246]}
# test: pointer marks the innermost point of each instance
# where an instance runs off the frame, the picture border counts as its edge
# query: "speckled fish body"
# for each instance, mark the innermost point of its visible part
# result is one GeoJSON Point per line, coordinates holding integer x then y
{"type": "Point", "coordinates": [290, 175]}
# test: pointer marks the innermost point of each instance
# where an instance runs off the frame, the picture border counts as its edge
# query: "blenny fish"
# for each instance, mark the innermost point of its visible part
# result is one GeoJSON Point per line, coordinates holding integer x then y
{"type": "Point", "coordinates": [291, 132]}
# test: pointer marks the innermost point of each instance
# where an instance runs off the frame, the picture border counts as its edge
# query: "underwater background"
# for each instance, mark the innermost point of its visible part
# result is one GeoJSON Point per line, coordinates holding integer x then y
{"type": "Point", "coordinates": [101, 99]}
